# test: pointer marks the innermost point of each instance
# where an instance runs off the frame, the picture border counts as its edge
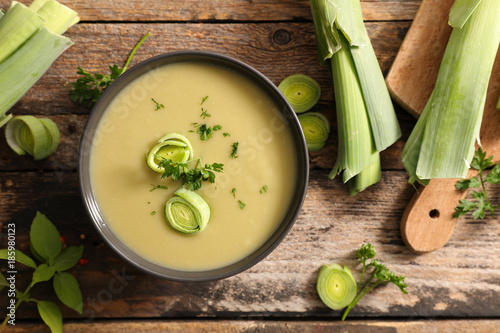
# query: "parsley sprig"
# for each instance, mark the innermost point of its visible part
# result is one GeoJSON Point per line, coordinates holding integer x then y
{"type": "Point", "coordinates": [87, 89]}
{"type": "Point", "coordinates": [190, 176]}
{"type": "Point", "coordinates": [379, 274]}
{"type": "Point", "coordinates": [482, 202]}
{"type": "Point", "coordinates": [205, 131]}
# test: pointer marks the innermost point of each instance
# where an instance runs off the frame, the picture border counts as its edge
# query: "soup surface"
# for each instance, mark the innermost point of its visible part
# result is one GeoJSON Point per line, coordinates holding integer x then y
{"type": "Point", "coordinates": [248, 199]}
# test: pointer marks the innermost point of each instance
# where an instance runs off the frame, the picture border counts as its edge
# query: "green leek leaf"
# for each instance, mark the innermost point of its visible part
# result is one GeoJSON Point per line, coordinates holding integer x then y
{"type": "Point", "coordinates": [461, 11]}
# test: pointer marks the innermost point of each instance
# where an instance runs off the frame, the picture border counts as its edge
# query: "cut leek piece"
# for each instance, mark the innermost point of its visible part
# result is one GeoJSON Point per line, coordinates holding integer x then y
{"type": "Point", "coordinates": [316, 128]}
{"type": "Point", "coordinates": [445, 135]}
{"type": "Point", "coordinates": [58, 18]}
{"type": "Point", "coordinates": [29, 135]}
{"type": "Point", "coordinates": [174, 147]}
{"type": "Point", "coordinates": [23, 69]}
{"type": "Point", "coordinates": [356, 150]}
{"type": "Point", "coordinates": [301, 91]}
{"type": "Point", "coordinates": [367, 122]}
{"type": "Point", "coordinates": [336, 286]}
{"type": "Point", "coordinates": [16, 27]}
{"type": "Point", "coordinates": [187, 212]}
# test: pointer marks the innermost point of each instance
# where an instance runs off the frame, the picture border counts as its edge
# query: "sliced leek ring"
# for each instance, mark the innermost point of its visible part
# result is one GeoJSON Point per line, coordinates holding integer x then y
{"type": "Point", "coordinates": [187, 212]}
{"type": "Point", "coordinates": [175, 147]}
{"type": "Point", "coordinates": [38, 137]}
{"type": "Point", "coordinates": [336, 286]}
{"type": "Point", "coordinates": [316, 128]}
{"type": "Point", "coordinates": [301, 91]}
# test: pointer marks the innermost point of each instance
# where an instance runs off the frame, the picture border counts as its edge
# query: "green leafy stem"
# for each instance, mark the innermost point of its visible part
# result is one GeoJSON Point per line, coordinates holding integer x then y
{"type": "Point", "coordinates": [482, 202]}
{"type": "Point", "coordinates": [46, 247]}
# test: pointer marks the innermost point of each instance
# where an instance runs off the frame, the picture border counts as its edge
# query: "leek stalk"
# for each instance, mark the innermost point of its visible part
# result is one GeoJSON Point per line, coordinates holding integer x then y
{"type": "Point", "coordinates": [367, 122]}
{"type": "Point", "coordinates": [443, 141]}
{"type": "Point", "coordinates": [30, 42]}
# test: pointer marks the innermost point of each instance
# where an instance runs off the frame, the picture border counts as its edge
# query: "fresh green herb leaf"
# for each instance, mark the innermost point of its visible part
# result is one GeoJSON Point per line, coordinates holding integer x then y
{"type": "Point", "coordinates": [18, 256]}
{"type": "Point", "coordinates": [190, 176]}
{"type": "Point", "coordinates": [163, 187]}
{"type": "Point", "coordinates": [45, 244]}
{"type": "Point", "coordinates": [217, 127]}
{"type": "Point", "coordinates": [50, 314]}
{"type": "Point", "coordinates": [87, 89]}
{"type": "Point", "coordinates": [153, 213]}
{"type": "Point", "coordinates": [43, 273]}
{"type": "Point", "coordinates": [158, 105]}
{"type": "Point", "coordinates": [45, 238]}
{"type": "Point", "coordinates": [203, 100]}
{"type": "Point", "coordinates": [242, 205]}
{"type": "Point", "coordinates": [204, 113]}
{"type": "Point", "coordinates": [234, 151]}
{"type": "Point", "coordinates": [263, 189]}
{"type": "Point", "coordinates": [205, 132]}
{"type": "Point", "coordinates": [68, 291]}
{"type": "Point", "coordinates": [68, 258]}
{"type": "Point", "coordinates": [226, 134]}
{"type": "Point", "coordinates": [482, 203]}
{"type": "Point", "coordinates": [233, 191]}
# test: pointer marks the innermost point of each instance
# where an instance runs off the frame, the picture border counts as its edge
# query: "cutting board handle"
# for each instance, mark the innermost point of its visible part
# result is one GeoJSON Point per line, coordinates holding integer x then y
{"type": "Point", "coordinates": [428, 222]}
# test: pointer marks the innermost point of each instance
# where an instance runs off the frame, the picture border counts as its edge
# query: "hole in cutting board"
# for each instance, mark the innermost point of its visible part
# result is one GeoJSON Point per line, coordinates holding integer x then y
{"type": "Point", "coordinates": [434, 214]}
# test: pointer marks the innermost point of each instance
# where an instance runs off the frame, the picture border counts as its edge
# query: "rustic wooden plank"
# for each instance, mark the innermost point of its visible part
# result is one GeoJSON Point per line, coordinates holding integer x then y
{"type": "Point", "coordinates": [460, 280]}
{"type": "Point", "coordinates": [224, 10]}
{"type": "Point", "coordinates": [202, 326]}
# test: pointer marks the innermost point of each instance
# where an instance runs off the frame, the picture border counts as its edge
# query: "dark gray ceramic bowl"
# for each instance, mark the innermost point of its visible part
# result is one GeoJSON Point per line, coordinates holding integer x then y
{"type": "Point", "coordinates": [93, 207]}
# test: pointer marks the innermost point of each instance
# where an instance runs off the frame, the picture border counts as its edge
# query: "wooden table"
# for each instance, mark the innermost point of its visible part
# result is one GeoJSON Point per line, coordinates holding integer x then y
{"type": "Point", "coordinates": [455, 288]}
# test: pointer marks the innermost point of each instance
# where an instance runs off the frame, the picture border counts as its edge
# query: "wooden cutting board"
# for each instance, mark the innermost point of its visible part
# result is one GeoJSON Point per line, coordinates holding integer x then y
{"type": "Point", "coordinates": [428, 222]}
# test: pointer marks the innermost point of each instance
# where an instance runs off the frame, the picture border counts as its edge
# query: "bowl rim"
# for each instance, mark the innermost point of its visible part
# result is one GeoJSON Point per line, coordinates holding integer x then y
{"type": "Point", "coordinates": [90, 202]}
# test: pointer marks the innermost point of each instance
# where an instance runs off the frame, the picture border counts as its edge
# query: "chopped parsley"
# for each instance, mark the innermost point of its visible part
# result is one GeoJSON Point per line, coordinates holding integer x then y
{"type": "Point", "coordinates": [158, 105]}
{"type": "Point", "coordinates": [242, 205]}
{"type": "Point", "coordinates": [205, 131]}
{"type": "Point", "coordinates": [153, 213]}
{"type": "Point", "coordinates": [234, 152]}
{"type": "Point", "coordinates": [204, 113]}
{"type": "Point", "coordinates": [193, 177]}
{"type": "Point", "coordinates": [226, 134]}
{"type": "Point", "coordinates": [157, 187]}
{"type": "Point", "coordinates": [233, 191]}
{"type": "Point", "coordinates": [263, 189]}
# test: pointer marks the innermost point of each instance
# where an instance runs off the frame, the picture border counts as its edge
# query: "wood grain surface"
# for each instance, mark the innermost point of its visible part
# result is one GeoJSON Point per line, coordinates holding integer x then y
{"type": "Point", "coordinates": [461, 281]}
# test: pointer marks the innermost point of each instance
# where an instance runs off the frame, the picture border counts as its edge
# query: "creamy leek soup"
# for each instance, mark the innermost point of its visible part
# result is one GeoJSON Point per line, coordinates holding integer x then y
{"type": "Point", "coordinates": [247, 201]}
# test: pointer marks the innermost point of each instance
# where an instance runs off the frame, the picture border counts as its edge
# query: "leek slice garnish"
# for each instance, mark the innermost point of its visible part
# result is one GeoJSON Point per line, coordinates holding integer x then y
{"type": "Point", "coordinates": [316, 128]}
{"type": "Point", "coordinates": [301, 91]}
{"type": "Point", "coordinates": [442, 143]}
{"type": "Point", "coordinates": [187, 212]}
{"type": "Point", "coordinates": [336, 286]}
{"type": "Point", "coordinates": [29, 135]}
{"type": "Point", "coordinates": [58, 18]}
{"type": "Point", "coordinates": [174, 147]}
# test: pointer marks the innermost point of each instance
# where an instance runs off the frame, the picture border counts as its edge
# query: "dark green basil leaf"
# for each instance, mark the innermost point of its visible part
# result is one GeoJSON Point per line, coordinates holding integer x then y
{"type": "Point", "coordinates": [45, 238]}
{"type": "Point", "coordinates": [51, 315]}
{"type": "Point", "coordinates": [68, 291]}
